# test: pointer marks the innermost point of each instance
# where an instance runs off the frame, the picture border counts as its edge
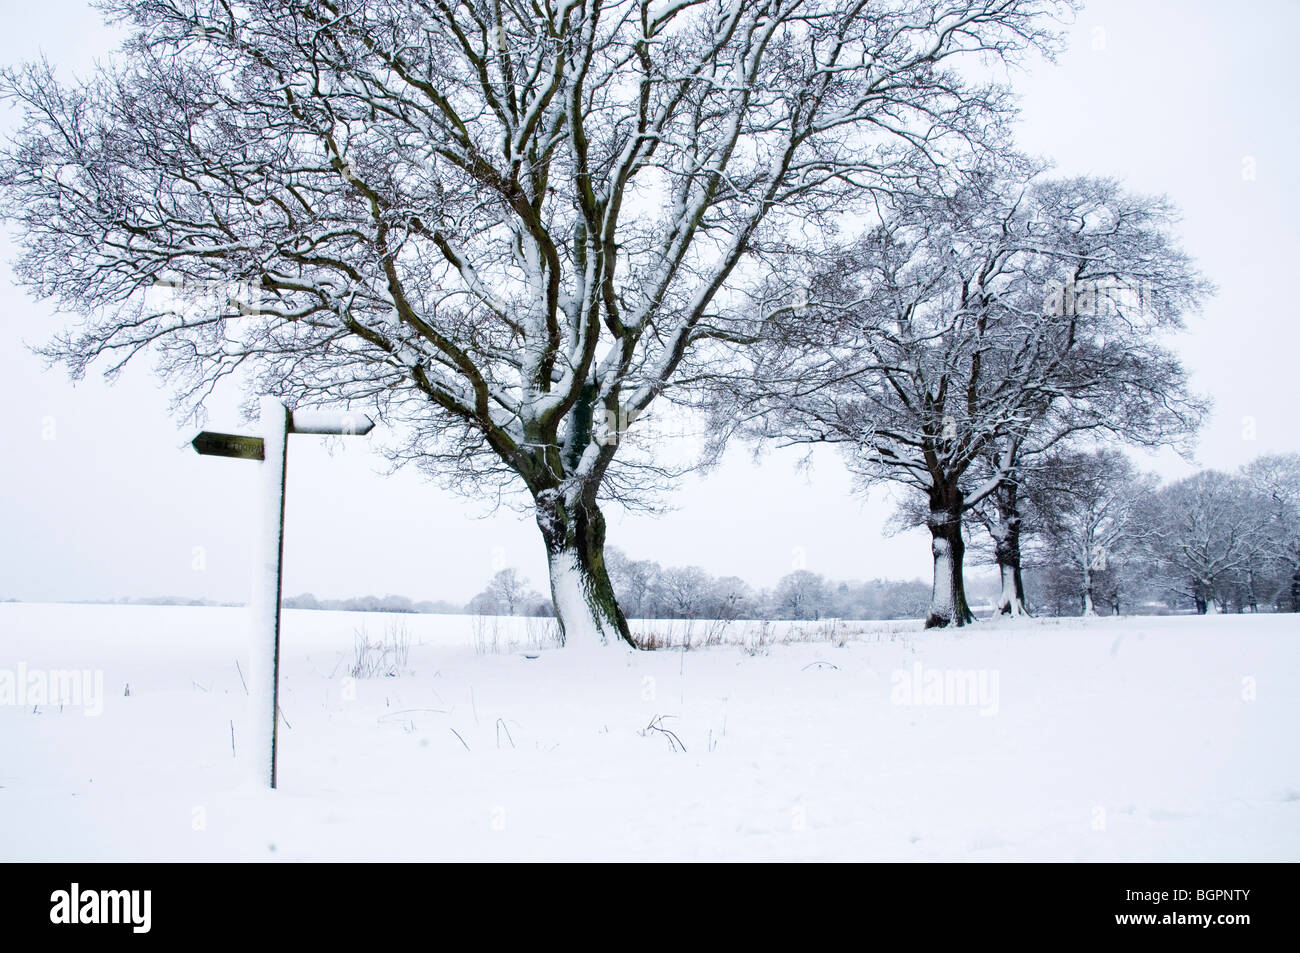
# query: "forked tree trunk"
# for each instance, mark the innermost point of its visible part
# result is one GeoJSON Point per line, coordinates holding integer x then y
{"type": "Point", "coordinates": [948, 596]}
{"type": "Point", "coordinates": [1089, 607]}
{"type": "Point", "coordinates": [1011, 601]}
{"type": "Point", "coordinates": [1006, 549]}
{"type": "Point", "coordinates": [585, 606]}
{"type": "Point", "coordinates": [1209, 600]}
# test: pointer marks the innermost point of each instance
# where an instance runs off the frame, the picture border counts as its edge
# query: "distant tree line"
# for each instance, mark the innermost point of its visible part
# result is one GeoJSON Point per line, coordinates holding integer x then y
{"type": "Point", "coordinates": [1101, 538]}
{"type": "Point", "coordinates": [389, 603]}
{"type": "Point", "coordinates": [1095, 536]}
{"type": "Point", "coordinates": [649, 590]}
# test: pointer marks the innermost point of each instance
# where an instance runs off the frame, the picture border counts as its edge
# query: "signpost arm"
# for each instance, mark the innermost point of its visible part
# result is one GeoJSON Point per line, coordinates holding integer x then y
{"type": "Point", "coordinates": [268, 558]}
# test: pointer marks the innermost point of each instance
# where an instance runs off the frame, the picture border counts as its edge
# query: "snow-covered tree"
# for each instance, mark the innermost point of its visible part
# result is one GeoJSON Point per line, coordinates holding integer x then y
{"type": "Point", "coordinates": [972, 326]}
{"type": "Point", "coordinates": [634, 582]}
{"type": "Point", "coordinates": [1093, 507]}
{"type": "Point", "coordinates": [508, 591]}
{"type": "Point", "coordinates": [1147, 404]}
{"type": "Point", "coordinates": [730, 598]}
{"type": "Point", "coordinates": [1006, 516]}
{"type": "Point", "coordinates": [801, 594]}
{"type": "Point", "coordinates": [1207, 532]}
{"type": "Point", "coordinates": [508, 228]}
{"type": "Point", "coordinates": [1275, 479]}
{"type": "Point", "coordinates": [684, 591]}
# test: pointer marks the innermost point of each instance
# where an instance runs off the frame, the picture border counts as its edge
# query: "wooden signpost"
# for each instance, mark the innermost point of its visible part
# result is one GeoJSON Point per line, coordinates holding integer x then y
{"type": "Point", "coordinates": [271, 449]}
{"type": "Point", "coordinates": [228, 445]}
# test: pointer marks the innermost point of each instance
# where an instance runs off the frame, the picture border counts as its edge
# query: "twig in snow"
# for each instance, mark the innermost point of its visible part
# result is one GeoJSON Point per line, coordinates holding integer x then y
{"type": "Point", "coordinates": [656, 724]}
{"type": "Point", "coordinates": [406, 711]}
{"type": "Point", "coordinates": [241, 676]}
{"type": "Point", "coordinates": [458, 737]}
{"type": "Point", "coordinates": [819, 662]}
{"type": "Point", "coordinates": [232, 740]}
{"type": "Point", "coordinates": [500, 725]}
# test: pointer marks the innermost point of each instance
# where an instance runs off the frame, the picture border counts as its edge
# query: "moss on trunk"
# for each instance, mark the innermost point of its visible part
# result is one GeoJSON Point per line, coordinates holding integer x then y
{"type": "Point", "coordinates": [948, 604]}
{"type": "Point", "coordinates": [585, 604]}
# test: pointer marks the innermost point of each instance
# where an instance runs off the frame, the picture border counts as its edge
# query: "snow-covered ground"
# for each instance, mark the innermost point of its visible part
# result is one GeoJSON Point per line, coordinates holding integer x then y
{"type": "Point", "coordinates": [1130, 739]}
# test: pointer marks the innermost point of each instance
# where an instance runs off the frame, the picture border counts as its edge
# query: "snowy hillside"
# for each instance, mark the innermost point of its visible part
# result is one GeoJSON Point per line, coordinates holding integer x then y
{"type": "Point", "coordinates": [1129, 739]}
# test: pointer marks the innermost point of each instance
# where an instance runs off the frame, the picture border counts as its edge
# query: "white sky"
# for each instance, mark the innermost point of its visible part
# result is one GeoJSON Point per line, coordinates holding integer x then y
{"type": "Point", "coordinates": [1171, 100]}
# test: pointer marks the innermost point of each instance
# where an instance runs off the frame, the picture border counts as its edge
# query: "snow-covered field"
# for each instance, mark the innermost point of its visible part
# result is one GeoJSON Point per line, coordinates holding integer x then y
{"type": "Point", "coordinates": [1131, 739]}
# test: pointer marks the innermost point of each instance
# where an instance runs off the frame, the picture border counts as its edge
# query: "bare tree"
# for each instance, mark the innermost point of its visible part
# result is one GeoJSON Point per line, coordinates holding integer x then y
{"type": "Point", "coordinates": [1147, 403]}
{"type": "Point", "coordinates": [1275, 479]}
{"type": "Point", "coordinates": [1003, 515]}
{"type": "Point", "coordinates": [730, 598]}
{"type": "Point", "coordinates": [684, 591]}
{"type": "Point", "coordinates": [634, 582]}
{"type": "Point", "coordinates": [510, 590]}
{"type": "Point", "coordinates": [1093, 507]}
{"type": "Point", "coordinates": [1206, 532]}
{"type": "Point", "coordinates": [508, 227]}
{"type": "Point", "coordinates": [973, 324]}
{"type": "Point", "coordinates": [801, 594]}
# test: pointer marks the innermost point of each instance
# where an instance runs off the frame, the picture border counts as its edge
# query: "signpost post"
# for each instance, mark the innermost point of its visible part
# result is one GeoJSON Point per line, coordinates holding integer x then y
{"type": "Point", "coordinates": [271, 448]}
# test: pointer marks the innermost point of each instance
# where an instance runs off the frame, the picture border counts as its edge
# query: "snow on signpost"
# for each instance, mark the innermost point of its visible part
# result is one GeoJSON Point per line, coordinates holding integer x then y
{"type": "Point", "coordinates": [277, 422]}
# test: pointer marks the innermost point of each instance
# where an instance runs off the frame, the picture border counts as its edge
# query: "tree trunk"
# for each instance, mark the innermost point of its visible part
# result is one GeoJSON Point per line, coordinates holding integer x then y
{"type": "Point", "coordinates": [585, 606]}
{"type": "Point", "coordinates": [1295, 589]}
{"type": "Point", "coordinates": [948, 597]}
{"type": "Point", "coordinates": [1011, 601]}
{"type": "Point", "coordinates": [1006, 550]}
{"type": "Point", "coordinates": [1089, 609]}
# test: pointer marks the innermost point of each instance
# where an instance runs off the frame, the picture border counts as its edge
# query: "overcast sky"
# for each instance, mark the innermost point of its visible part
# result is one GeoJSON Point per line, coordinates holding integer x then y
{"type": "Point", "coordinates": [101, 496]}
